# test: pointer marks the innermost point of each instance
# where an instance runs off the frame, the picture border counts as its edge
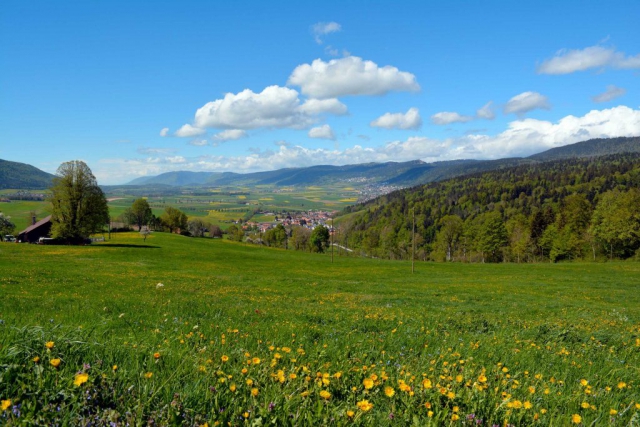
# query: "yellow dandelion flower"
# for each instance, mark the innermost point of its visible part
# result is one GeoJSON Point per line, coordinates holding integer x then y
{"type": "Point", "coordinates": [148, 375]}
{"type": "Point", "coordinates": [364, 405]}
{"type": "Point", "coordinates": [304, 394]}
{"type": "Point", "coordinates": [225, 358]}
{"type": "Point", "coordinates": [350, 413]}
{"type": "Point", "coordinates": [255, 360]}
{"type": "Point", "coordinates": [368, 383]}
{"type": "Point", "coordinates": [613, 412]}
{"type": "Point", "coordinates": [637, 405]}
{"type": "Point", "coordinates": [389, 391]}
{"type": "Point", "coordinates": [55, 362]}
{"type": "Point", "coordinates": [426, 383]}
{"type": "Point", "coordinates": [430, 414]}
{"type": "Point", "coordinates": [459, 378]}
{"type": "Point", "coordinates": [532, 390]}
{"type": "Point", "coordinates": [49, 345]}
{"type": "Point", "coordinates": [455, 417]}
{"type": "Point", "coordinates": [4, 405]}
{"type": "Point", "coordinates": [249, 382]}
{"type": "Point", "coordinates": [114, 367]}
{"type": "Point", "coordinates": [81, 379]}
{"type": "Point", "coordinates": [36, 359]}
{"type": "Point", "coordinates": [527, 405]}
{"type": "Point", "coordinates": [576, 419]}
{"type": "Point", "coordinates": [584, 382]}
{"type": "Point", "coordinates": [585, 405]}
{"type": "Point", "coordinates": [622, 385]}
{"type": "Point", "coordinates": [482, 378]}
{"type": "Point", "coordinates": [325, 394]}
{"type": "Point", "coordinates": [254, 392]}
{"type": "Point", "coordinates": [232, 387]}
{"type": "Point", "coordinates": [156, 355]}
{"type": "Point", "coordinates": [451, 395]}
{"type": "Point", "coordinates": [292, 376]}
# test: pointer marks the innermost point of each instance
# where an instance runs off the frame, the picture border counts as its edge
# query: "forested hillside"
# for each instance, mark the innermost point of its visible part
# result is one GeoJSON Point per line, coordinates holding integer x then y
{"type": "Point", "coordinates": [22, 176]}
{"type": "Point", "coordinates": [565, 209]}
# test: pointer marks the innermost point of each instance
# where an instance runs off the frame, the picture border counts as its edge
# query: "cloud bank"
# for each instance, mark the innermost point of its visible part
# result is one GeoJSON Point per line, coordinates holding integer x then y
{"type": "Point", "coordinates": [521, 138]}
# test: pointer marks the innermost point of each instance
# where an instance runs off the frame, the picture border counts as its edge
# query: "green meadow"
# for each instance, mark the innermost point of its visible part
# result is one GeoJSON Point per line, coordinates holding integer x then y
{"type": "Point", "coordinates": [183, 331]}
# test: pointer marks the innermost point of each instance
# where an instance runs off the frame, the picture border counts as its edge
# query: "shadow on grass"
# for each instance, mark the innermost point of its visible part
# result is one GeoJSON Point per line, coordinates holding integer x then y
{"type": "Point", "coordinates": [124, 245]}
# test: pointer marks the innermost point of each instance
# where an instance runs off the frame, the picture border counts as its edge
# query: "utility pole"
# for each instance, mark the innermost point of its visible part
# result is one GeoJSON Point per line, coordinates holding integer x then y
{"type": "Point", "coordinates": [413, 241]}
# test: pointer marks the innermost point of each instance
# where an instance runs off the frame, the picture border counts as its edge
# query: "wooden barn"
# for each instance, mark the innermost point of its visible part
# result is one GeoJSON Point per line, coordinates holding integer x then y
{"type": "Point", "coordinates": [35, 231]}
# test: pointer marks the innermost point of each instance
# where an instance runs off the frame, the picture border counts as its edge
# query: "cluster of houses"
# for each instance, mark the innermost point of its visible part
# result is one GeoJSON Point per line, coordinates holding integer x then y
{"type": "Point", "coordinates": [309, 219]}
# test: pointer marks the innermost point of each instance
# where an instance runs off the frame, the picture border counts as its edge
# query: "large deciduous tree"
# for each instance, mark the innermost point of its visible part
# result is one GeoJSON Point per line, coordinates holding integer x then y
{"type": "Point", "coordinates": [197, 227]}
{"type": "Point", "coordinates": [319, 238]}
{"type": "Point", "coordinates": [174, 219]}
{"type": "Point", "coordinates": [451, 227]}
{"type": "Point", "coordinates": [79, 207]}
{"type": "Point", "coordinates": [140, 213]}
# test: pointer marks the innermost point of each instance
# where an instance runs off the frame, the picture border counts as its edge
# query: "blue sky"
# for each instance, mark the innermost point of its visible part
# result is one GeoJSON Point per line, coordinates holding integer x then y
{"type": "Point", "coordinates": [140, 88]}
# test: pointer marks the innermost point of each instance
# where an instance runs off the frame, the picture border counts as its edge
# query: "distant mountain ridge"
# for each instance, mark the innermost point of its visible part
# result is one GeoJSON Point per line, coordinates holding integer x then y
{"type": "Point", "coordinates": [23, 176]}
{"type": "Point", "coordinates": [403, 174]}
{"type": "Point", "coordinates": [591, 148]}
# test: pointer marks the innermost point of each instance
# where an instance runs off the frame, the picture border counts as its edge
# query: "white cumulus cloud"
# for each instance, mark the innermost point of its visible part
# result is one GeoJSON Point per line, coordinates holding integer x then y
{"type": "Point", "coordinates": [188, 131]}
{"type": "Point", "coordinates": [274, 107]}
{"type": "Point", "coordinates": [486, 112]}
{"type": "Point", "coordinates": [409, 120]}
{"type": "Point", "coordinates": [322, 132]}
{"type": "Point", "coordinates": [321, 106]}
{"type": "Point", "coordinates": [526, 102]}
{"type": "Point", "coordinates": [198, 142]}
{"type": "Point", "coordinates": [350, 76]}
{"type": "Point", "coordinates": [448, 117]}
{"type": "Point", "coordinates": [164, 132]}
{"type": "Point", "coordinates": [323, 28]}
{"type": "Point", "coordinates": [570, 61]}
{"type": "Point", "coordinates": [230, 135]}
{"type": "Point", "coordinates": [611, 93]}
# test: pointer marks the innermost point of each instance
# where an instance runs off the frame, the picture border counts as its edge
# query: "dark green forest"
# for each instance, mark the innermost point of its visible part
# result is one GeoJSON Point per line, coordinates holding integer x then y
{"type": "Point", "coordinates": [22, 176]}
{"type": "Point", "coordinates": [580, 208]}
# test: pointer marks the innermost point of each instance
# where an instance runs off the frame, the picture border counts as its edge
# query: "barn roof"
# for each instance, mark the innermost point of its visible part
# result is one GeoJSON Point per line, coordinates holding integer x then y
{"type": "Point", "coordinates": [36, 225]}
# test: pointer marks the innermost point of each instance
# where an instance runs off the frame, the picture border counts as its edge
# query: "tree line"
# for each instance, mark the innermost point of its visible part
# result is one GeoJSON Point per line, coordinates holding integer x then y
{"type": "Point", "coordinates": [560, 210]}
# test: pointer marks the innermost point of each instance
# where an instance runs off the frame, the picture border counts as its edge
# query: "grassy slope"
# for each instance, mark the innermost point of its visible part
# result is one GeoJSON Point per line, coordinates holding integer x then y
{"type": "Point", "coordinates": [351, 313]}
